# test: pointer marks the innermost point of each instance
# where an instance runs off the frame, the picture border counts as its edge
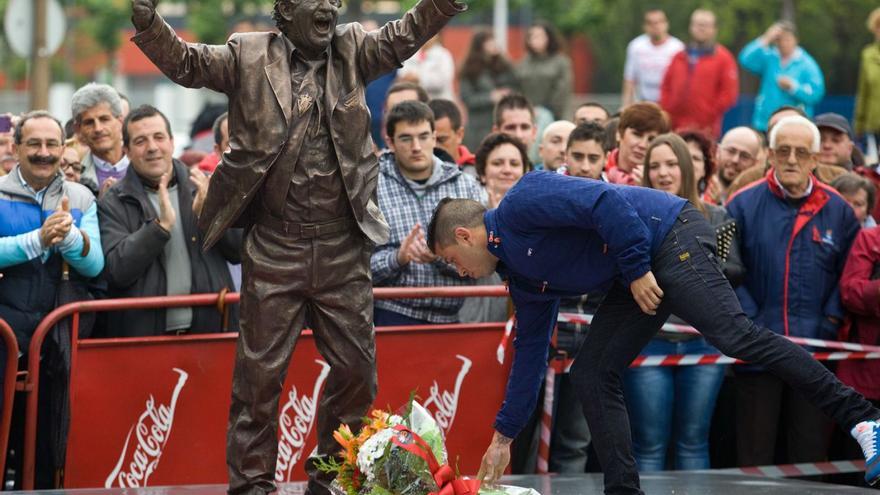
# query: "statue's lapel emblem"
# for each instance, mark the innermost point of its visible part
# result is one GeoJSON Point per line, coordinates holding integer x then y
{"type": "Point", "coordinates": [303, 103]}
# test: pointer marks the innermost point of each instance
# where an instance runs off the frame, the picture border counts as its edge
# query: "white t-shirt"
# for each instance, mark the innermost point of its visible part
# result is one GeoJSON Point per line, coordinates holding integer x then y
{"type": "Point", "coordinates": [436, 70]}
{"type": "Point", "coordinates": [646, 64]}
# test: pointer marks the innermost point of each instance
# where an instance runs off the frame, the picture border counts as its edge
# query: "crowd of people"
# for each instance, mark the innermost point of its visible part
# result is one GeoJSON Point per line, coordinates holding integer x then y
{"type": "Point", "coordinates": [791, 197]}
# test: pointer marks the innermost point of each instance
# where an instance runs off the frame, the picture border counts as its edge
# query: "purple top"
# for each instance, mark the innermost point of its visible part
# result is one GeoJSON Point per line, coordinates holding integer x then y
{"type": "Point", "coordinates": [104, 174]}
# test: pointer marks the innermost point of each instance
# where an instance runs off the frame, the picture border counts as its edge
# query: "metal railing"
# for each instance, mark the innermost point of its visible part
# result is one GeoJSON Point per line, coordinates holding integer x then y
{"type": "Point", "coordinates": [9, 377]}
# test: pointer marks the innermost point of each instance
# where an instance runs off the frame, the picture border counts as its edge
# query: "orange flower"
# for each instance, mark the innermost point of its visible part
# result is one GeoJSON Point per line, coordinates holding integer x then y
{"type": "Point", "coordinates": [349, 443]}
{"type": "Point", "coordinates": [343, 436]}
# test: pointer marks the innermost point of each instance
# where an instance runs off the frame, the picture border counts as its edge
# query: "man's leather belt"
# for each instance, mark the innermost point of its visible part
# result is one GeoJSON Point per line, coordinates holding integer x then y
{"type": "Point", "coordinates": [306, 230]}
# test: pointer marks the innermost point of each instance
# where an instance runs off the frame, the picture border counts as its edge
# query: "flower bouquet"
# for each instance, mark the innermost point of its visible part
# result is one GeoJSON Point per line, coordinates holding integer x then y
{"type": "Point", "coordinates": [400, 454]}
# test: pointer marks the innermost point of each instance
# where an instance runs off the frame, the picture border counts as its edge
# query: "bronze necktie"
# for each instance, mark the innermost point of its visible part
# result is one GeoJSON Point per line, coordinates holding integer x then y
{"type": "Point", "coordinates": [308, 89]}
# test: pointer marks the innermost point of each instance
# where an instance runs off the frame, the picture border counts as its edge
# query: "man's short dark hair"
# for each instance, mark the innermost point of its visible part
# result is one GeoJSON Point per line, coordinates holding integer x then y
{"type": "Point", "coordinates": [411, 112]}
{"type": "Point", "coordinates": [644, 116]}
{"type": "Point", "coordinates": [588, 131]}
{"type": "Point", "coordinates": [513, 101]}
{"type": "Point", "coordinates": [408, 86]}
{"type": "Point", "coordinates": [36, 114]}
{"type": "Point", "coordinates": [594, 104]}
{"type": "Point", "coordinates": [140, 113]}
{"type": "Point", "coordinates": [217, 128]}
{"type": "Point", "coordinates": [495, 140]}
{"type": "Point", "coordinates": [450, 214]}
{"type": "Point", "coordinates": [446, 109]}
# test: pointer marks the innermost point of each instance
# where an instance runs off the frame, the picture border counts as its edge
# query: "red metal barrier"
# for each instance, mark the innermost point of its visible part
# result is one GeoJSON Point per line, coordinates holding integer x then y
{"type": "Point", "coordinates": [120, 355]}
{"type": "Point", "coordinates": [9, 375]}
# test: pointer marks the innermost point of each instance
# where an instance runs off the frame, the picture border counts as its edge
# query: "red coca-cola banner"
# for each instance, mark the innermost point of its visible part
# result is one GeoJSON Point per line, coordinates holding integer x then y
{"type": "Point", "coordinates": [153, 412]}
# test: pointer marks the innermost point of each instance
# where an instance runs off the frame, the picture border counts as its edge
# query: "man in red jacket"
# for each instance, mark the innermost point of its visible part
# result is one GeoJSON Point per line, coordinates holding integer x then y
{"type": "Point", "coordinates": [701, 82]}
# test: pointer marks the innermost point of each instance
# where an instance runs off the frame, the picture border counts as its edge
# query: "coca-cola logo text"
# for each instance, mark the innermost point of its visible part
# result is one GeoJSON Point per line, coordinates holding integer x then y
{"type": "Point", "coordinates": [443, 404]}
{"type": "Point", "coordinates": [151, 433]}
{"type": "Point", "coordinates": [296, 420]}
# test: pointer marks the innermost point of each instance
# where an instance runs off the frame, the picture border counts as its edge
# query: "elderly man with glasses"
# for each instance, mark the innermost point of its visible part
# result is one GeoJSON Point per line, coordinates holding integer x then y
{"type": "Point", "coordinates": [796, 232]}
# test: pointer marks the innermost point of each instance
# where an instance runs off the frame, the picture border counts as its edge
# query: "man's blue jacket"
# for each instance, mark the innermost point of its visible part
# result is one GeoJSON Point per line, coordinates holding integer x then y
{"type": "Point", "coordinates": [557, 236]}
{"type": "Point", "coordinates": [794, 256]}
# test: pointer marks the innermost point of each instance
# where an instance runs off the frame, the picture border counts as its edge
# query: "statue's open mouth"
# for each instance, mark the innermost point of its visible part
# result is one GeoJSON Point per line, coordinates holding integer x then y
{"type": "Point", "coordinates": [322, 25]}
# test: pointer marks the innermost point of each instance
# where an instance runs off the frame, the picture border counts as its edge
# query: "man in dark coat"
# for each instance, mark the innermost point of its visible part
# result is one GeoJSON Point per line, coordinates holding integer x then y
{"type": "Point", "coordinates": [153, 245]}
{"type": "Point", "coordinates": [301, 175]}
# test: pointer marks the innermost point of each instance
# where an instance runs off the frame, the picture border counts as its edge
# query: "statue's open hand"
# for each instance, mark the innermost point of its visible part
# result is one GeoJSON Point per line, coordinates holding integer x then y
{"type": "Point", "coordinates": [142, 12]}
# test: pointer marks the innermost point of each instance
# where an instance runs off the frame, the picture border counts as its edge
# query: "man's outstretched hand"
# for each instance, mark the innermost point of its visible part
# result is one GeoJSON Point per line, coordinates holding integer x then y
{"type": "Point", "coordinates": [142, 12]}
{"type": "Point", "coordinates": [495, 460]}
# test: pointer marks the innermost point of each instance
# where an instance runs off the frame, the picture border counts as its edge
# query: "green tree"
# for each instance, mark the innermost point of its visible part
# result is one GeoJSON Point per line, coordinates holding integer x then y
{"type": "Point", "coordinates": [104, 19]}
{"type": "Point", "coordinates": [210, 20]}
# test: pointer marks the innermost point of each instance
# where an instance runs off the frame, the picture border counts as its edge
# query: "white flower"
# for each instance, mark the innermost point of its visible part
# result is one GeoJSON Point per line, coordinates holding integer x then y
{"type": "Point", "coordinates": [372, 450]}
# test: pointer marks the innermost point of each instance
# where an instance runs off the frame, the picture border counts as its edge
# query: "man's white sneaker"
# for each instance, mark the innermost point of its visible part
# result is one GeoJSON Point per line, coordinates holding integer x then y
{"type": "Point", "coordinates": [867, 433]}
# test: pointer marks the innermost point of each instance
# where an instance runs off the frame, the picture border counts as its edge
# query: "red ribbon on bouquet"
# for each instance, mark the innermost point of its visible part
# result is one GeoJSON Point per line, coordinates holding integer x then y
{"type": "Point", "coordinates": [443, 475]}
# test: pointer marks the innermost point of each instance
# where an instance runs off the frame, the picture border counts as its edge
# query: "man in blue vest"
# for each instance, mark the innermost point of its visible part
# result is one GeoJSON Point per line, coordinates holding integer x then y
{"type": "Point", "coordinates": [555, 236]}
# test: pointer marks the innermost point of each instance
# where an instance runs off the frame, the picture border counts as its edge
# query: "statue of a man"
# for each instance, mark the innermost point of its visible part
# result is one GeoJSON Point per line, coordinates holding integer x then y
{"type": "Point", "coordinates": [301, 177]}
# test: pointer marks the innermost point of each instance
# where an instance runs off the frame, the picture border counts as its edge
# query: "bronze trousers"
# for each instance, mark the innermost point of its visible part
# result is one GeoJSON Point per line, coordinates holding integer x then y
{"type": "Point", "coordinates": [287, 279]}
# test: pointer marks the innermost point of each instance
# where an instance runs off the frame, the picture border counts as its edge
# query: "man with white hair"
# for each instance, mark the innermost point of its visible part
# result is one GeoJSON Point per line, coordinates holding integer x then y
{"type": "Point", "coordinates": [796, 234]}
{"type": "Point", "coordinates": [553, 143]}
{"type": "Point", "coordinates": [97, 115]}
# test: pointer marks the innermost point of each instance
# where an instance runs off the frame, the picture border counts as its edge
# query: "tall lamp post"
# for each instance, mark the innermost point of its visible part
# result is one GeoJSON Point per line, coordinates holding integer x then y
{"type": "Point", "coordinates": [499, 24]}
{"type": "Point", "coordinates": [40, 58]}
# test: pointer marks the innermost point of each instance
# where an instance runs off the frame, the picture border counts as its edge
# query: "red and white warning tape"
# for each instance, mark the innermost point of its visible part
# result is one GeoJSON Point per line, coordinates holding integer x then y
{"type": "Point", "coordinates": [585, 319]}
{"type": "Point", "coordinates": [852, 351]}
{"type": "Point", "coordinates": [502, 347]}
{"type": "Point", "coordinates": [546, 422]}
{"type": "Point", "coordinates": [563, 365]}
{"type": "Point", "coordinates": [806, 469]}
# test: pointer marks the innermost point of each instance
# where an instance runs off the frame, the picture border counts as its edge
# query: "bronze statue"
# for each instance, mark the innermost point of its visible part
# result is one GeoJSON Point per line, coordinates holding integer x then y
{"type": "Point", "coordinates": [301, 177]}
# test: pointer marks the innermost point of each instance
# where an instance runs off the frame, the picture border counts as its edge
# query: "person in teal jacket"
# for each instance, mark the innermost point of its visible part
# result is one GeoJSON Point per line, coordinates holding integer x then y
{"type": "Point", "coordinates": [789, 75]}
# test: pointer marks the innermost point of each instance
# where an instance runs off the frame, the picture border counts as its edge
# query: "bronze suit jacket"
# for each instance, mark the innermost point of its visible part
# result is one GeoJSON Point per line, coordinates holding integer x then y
{"type": "Point", "coordinates": [253, 70]}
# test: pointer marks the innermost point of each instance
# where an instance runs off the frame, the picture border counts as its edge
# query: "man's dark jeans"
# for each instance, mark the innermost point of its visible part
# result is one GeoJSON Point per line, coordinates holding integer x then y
{"type": "Point", "coordinates": [695, 290]}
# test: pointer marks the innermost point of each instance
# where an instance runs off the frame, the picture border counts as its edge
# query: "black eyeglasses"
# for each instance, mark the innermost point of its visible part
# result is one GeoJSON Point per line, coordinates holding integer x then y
{"type": "Point", "coordinates": [76, 166]}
